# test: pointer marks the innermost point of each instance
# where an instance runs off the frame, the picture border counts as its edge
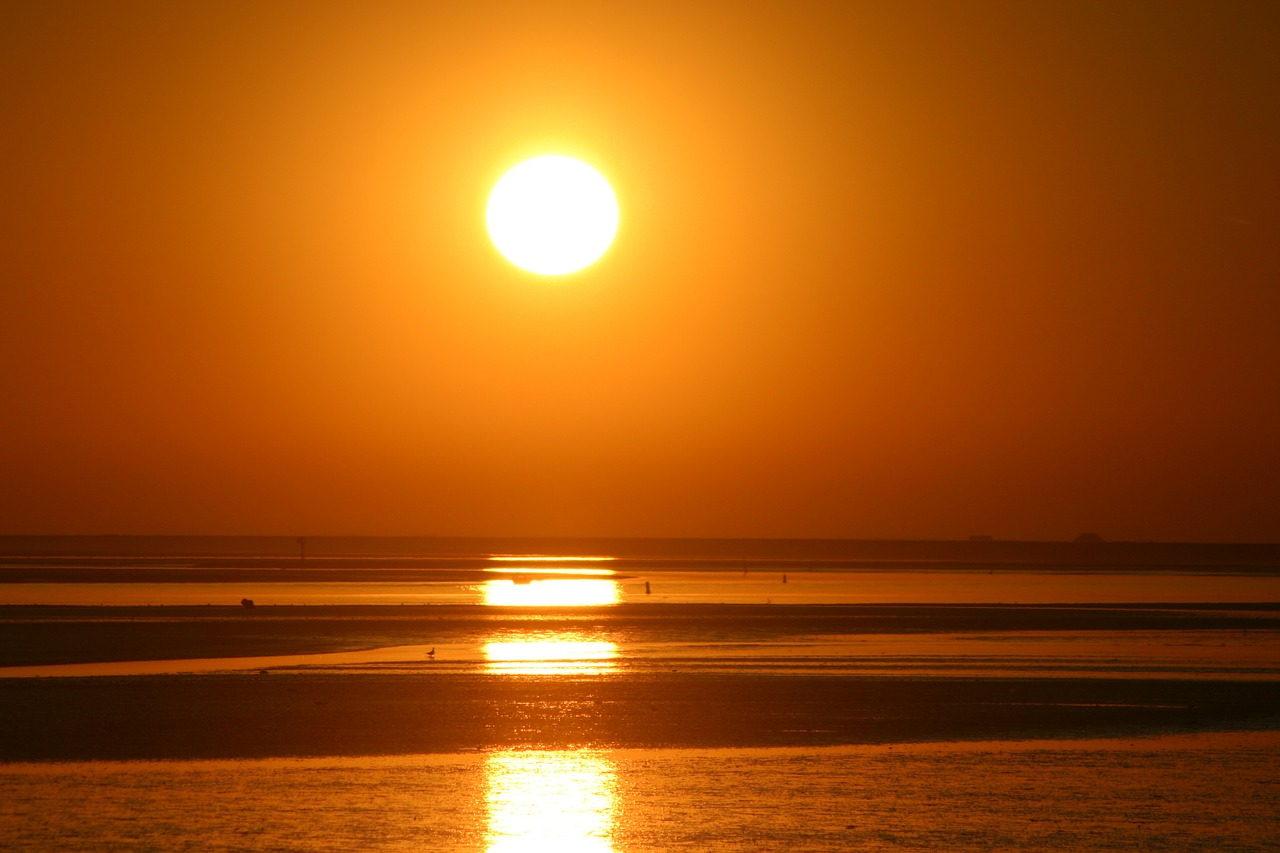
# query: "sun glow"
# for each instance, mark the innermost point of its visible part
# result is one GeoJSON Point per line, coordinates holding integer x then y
{"type": "Point", "coordinates": [542, 558]}
{"type": "Point", "coordinates": [562, 801]}
{"type": "Point", "coordinates": [554, 592]}
{"type": "Point", "coordinates": [552, 215]}
{"type": "Point", "coordinates": [555, 654]}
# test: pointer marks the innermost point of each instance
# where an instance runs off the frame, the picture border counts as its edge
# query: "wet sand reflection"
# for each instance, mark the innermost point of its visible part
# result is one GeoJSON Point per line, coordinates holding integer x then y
{"type": "Point", "coordinates": [562, 801]}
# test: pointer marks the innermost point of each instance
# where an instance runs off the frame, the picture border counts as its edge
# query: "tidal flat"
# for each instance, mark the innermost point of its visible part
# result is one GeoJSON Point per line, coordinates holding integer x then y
{"type": "Point", "coordinates": [739, 712]}
{"type": "Point", "coordinates": [82, 683]}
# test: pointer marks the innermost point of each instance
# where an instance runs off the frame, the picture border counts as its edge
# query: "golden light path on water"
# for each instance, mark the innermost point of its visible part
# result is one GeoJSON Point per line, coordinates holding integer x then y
{"type": "Point", "coordinates": [544, 558]}
{"type": "Point", "coordinates": [550, 801]}
{"type": "Point", "coordinates": [552, 592]}
{"type": "Point", "coordinates": [539, 800]}
{"type": "Point", "coordinates": [550, 654]}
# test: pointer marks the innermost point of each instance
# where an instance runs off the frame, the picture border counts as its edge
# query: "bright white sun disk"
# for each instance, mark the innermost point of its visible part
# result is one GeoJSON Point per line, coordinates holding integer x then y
{"type": "Point", "coordinates": [552, 215]}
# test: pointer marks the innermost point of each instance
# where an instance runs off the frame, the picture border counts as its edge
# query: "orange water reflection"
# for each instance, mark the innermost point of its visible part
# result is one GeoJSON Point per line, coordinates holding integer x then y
{"type": "Point", "coordinates": [554, 801]}
{"type": "Point", "coordinates": [684, 587]}
{"type": "Point", "coordinates": [544, 558]}
{"type": "Point", "coordinates": [550, 654]}
{"type": "Point", "coordinates": [553, 592]}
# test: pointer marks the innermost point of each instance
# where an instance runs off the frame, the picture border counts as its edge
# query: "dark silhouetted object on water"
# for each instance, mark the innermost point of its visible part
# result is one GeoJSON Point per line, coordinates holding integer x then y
{"type": "Point", "coordinates": [246, 602]}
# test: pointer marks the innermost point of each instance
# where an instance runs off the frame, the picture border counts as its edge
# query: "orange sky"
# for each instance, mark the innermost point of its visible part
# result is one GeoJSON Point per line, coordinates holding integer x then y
{"type": "Point", "coordinates": [885, 270]}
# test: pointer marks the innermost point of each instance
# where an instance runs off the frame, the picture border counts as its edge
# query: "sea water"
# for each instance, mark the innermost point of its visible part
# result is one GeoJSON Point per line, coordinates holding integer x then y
{"type": "Point", "coordinates": [689, 587]}
{"type": "Point", "coordinates": [1213, 792]}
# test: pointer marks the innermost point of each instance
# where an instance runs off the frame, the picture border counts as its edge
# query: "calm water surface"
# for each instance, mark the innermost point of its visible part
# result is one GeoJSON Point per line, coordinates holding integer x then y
{"type": "Point", "coordinates": [1193, 793]}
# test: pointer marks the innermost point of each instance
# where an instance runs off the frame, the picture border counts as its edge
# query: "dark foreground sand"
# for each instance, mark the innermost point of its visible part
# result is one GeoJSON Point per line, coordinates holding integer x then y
{"type": "Point", "coordinates": [362, 713]}
{"type": "Point", "coordinates": [251, 715]}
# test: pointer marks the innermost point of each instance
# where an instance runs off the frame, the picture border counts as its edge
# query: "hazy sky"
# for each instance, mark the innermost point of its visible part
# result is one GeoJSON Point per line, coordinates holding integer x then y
{"type": "Point", "coordinates": [884, 270]}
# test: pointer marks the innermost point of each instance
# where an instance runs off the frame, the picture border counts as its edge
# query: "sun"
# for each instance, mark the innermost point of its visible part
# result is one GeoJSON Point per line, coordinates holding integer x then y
{"type": "Point", "coordinates": [552, 215]}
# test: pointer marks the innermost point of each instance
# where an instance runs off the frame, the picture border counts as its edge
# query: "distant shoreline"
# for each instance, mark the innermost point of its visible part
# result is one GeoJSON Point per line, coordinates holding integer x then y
{"type": "Point", "coordinates": [364, 570]}
{"type": "Point", "coordinates": [978, 550]}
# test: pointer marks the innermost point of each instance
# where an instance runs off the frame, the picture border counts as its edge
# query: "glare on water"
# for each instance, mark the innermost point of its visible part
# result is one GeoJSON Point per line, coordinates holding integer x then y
{"type": "Point", "coordinates": [561, 801]}
{"type": "Point", "coordinates": [553, 592]}
{"type": "Point", "coordinates": [550, 654]}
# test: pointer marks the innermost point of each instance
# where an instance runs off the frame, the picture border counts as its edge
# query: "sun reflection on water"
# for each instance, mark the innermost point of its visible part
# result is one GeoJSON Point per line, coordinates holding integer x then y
{"type": "Point", "coordinates": [553, 801]}
{"type": "Point", "coordinates": [550, 654]}
{"type": "Point", "coordinates": [546, 558]}
{"type": "Point", "coordinates": [555, 592]}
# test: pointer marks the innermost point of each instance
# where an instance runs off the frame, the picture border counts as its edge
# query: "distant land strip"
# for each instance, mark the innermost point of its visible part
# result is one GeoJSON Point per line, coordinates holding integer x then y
{"type": "Point", "coordinates": [266, 569]}
{"type": "Point", "coordinates": [1087, 551]}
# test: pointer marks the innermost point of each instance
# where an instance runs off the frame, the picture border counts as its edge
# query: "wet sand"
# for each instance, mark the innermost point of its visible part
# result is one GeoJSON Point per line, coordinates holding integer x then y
{"type": "Point", "coordinates": [253, 716]}
{"type": "Point", "coordinates": [35, 635]}
{"type": "Point", "coordinates": [300, 712]}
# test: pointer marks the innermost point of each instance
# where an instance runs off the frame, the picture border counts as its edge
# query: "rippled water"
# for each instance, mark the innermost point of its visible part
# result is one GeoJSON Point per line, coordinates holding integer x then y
{"type": "Point", "coordinates": [1209, 792]}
